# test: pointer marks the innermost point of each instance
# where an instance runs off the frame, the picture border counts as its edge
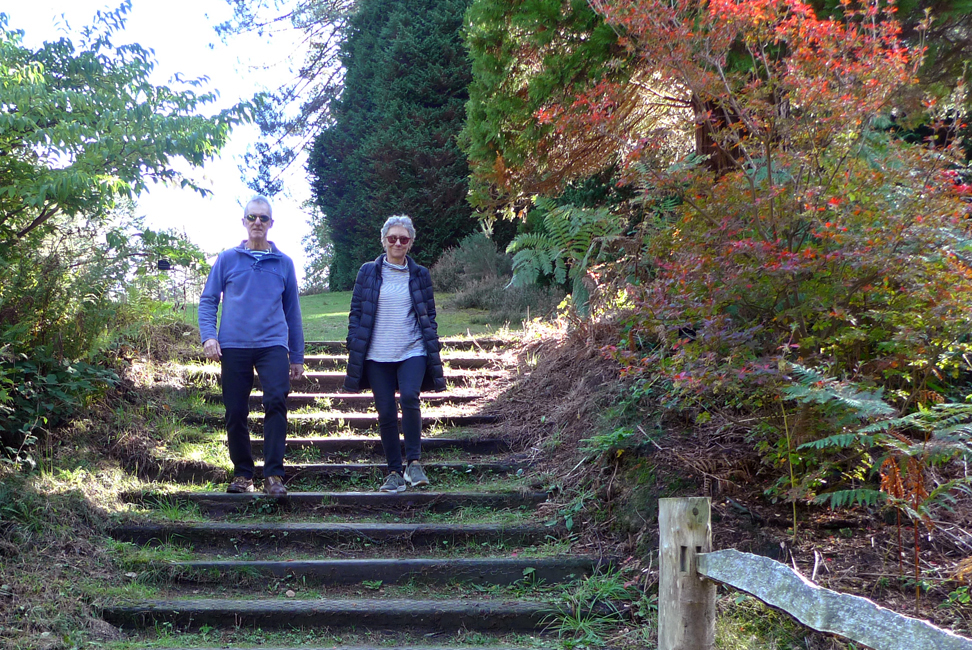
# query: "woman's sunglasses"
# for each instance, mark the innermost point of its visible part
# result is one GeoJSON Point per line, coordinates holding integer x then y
{"type": "Point", "coordinates": [398, 239]}
{"type": "Point", "coordinates": [253, 217]}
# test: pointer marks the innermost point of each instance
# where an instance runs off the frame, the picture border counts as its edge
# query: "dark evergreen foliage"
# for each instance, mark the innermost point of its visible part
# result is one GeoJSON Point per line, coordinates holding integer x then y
{"type": "Point", "coordinates": [392, 146]}
{"type": "Point", "coordinates": [528, 55]}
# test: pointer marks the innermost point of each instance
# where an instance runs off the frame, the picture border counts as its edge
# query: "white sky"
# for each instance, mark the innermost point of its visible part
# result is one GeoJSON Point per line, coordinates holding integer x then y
{"type": "Point", "coordinates": [181, 34]}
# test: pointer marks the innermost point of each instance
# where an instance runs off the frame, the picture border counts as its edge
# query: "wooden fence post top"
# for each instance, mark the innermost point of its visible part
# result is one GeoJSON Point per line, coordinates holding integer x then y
{"type": "Point", "coordinates": [697, 511]}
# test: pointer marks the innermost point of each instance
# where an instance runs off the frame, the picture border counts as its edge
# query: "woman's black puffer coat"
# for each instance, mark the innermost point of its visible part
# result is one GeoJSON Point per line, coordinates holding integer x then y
{"type": "Point", "coordinates": [361, 323]}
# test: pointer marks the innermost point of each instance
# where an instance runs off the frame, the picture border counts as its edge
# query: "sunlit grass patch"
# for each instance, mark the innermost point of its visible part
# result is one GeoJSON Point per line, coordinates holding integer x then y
{"type": "Point", "coordinates": [132, 589]}
{"type": "Point", "coordinates": [745, 623]}
{"type": "Point", "coordinates": [601, 610]}
{"type": "Point", "coordinates": [213, 452]}
{"type": "Point", "coordinates": [148, 563]}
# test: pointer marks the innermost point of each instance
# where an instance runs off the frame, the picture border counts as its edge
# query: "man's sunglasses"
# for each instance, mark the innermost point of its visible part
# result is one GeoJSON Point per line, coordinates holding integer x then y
{"type": "Point", "coordinates": [398, 239]}
{"type": "Point", "coordinates": [253, 217]}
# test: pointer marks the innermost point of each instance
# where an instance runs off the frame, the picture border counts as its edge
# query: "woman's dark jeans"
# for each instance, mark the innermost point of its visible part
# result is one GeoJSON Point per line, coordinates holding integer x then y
{"type": "Point", "coordinates": [407, 377]}
{"type": "Point", "coordinates": [273, 366]}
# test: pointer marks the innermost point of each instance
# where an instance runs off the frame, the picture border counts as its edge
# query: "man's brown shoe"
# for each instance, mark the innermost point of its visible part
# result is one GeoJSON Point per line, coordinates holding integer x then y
{"type": "Point", "coordinates": [240, 484]}
{"type": "Point", "coordinates": [273, 485]}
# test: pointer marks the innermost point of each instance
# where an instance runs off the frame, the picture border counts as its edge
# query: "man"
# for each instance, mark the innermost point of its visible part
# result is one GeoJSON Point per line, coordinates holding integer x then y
{"type": "Point", "coordinates": [260, 328]}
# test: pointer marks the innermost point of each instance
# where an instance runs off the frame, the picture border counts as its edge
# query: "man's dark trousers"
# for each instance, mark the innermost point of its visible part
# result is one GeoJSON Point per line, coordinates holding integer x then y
{"type": "Point", "coordinates": [273, 366]}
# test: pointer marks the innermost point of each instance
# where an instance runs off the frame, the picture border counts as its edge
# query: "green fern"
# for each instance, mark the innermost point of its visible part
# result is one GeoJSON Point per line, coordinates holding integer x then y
{"type": "Point", "coordinates": [847, 498]}
{"type": "Point", "coordinates": [572, 239]}
{"type": "Point", "coordinates": [840, 441]}
{"type": "Point", "coordinates": [946, 432]}
{"type": "Point", "coordinates": [813, 387]}
{"type": "Point", "coordinates": [529, 264]}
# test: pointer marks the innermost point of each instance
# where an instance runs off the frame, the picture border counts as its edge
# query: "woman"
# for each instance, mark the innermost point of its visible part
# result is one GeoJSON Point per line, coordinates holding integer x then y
{"type": "Point", "coordinates": [393, 342]}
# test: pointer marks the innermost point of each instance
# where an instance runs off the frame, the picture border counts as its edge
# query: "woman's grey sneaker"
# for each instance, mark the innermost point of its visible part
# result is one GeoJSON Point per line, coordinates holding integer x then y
{"type": "Point", "coordinates": [240, 485]}
{"type": "Point", "coordinates": [415, 475]}
{"type": "Point", "coordinates": [394, 483]}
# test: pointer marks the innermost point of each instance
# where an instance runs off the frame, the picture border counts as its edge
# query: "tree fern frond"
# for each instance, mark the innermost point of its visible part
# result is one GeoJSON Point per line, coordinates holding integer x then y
{"type": "Point", "coordinates": [955, 431]}
{"type": "Point", "coordinates": [814, 387]}
{"type": "Point", "coordinates": [942, 451]}
{"type": "Point", "coordinates": [807, 375]}
{"type": "Point", "coordinates": [945, 423]}
{"type": "Point", "coordinates": [544, 204]}
{"type": "Point", "coordinates": [839, 441]}
{"type": "Point", "coordinates": [846, 498]}
{"type": "Point", "coordinates": [560, 271]}
{"type": "Point", "coordinates": [904, 447]}
{"type": "Point", "coordinates": [530, 263]}
{"type": "Point", "coordinates": [878, 427]}
{"type": "Point", "coordinates": [565, 248]}
{"type": "Point", "coordinates": [529, 240]}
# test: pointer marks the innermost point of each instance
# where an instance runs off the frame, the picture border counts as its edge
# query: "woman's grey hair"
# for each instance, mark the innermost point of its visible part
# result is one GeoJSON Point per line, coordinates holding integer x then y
{"type": "Point", "coordinates": [398, 220]}
{"type": "Point", "coordinates": [259, 198]}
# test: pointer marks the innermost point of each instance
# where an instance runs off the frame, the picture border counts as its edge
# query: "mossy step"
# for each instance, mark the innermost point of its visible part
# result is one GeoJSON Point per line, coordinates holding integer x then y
{"type": "Point", "coordinates": [332, 381]}
{"type": "Point", "coordinates": [203, 472]}
{"type": "Point", "coordinates": [339, 444]}
{"type": "Point", "coordinates": [221, 502]}
{"type": "Point", "coordinates": [492, 571]}
{"type": "Point", "coordinates": [330, 421]}
{"type": "Point", "coordinates": [465, 362]}
{"type": "Point", "coordinates": [349, 647]}
{"type": "Point", "coordinates": [338, 347]}
{"type": "Point", "coordinates": [232, 535]}
{"type": "Point", "coordinates": [325, 381]}
{"type": "Point", "coordinates": [452, 615]}
{"type": "Point", "coordinates": [340, 470]}
{"type": "Point", "coordinates": [357, 401]}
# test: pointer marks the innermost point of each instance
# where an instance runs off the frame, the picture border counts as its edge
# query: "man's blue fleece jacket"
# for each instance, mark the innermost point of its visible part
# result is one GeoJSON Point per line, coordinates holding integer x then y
{"type": "Point", "coordinates": [260, 304]}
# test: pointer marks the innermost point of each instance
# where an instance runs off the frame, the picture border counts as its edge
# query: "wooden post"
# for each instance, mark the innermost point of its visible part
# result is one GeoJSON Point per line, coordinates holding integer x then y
{"type": "Point", "coordinates": [686, 601]}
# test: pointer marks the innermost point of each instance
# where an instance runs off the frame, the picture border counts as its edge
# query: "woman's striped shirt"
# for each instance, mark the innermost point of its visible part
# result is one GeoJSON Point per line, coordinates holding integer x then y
{"type": "Point", "coordinates": [396, 335]}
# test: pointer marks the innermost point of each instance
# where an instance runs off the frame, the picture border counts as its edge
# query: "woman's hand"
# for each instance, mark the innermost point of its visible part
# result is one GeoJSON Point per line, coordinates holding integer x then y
{"type": "Point", "coordinates": [296, 370]}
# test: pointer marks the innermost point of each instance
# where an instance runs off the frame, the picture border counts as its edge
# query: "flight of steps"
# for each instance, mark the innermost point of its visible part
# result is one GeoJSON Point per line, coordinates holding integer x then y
{"type": "Point", "coordinates": [325, 555]}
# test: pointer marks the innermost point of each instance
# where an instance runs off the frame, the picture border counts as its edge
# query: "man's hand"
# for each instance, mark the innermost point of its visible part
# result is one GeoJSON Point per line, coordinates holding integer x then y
{"type": "Point", "coordinates": [212, 350]}
{"type": "Point", "coordinates": [296, 370]}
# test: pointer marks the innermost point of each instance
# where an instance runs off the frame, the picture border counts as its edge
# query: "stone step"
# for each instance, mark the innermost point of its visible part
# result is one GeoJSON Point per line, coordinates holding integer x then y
{"type": "Point", "coordinates": [493, 571]}
{"type": "Point", "coordinates": [369, 444]}
{"type": "Point", "coordinates": [379, 613]}
{"type": "Point", "coordinates": [341, 470]}
{"type": "Point", "coordinates": [370, 420]}
{"type": "Point", "coordinates": [352, 647]}
{"type": "Point", "coordinates": [337, 347]}
{"type": "Point", "coordinates": [272, 535]}
{"type": "Point", "coordinates": [313, 381]}
{"type": "Point", "coordinates": [464, 362]}
{"type": "Point", "coordinates": [202, 472]}
{"type": "Point", "coordinates": [217, 503]}
{"type": "Point", "coordinates": [337, 471]}
{"type": "Point", "coordinates": [332, 381]}
{"type": "Point", "coordinates": [356, 401]}
{"type": "Point", "coordinates": [325, 421]}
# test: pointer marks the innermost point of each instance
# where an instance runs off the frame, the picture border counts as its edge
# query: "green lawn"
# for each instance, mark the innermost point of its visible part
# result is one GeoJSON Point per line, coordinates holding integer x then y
{"type": "Point", "coordinates": [326, 317]}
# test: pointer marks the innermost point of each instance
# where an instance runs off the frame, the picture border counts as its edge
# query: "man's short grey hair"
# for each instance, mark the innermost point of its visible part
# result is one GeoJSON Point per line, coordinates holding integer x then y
{"type": "Point", "coordinates": [259, 198]}
{"type": "Point", "coordinates": [398, 220]}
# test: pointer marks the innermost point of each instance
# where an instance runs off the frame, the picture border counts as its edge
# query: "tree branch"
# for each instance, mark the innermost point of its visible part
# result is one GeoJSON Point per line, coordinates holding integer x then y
{"type": "Point", "coordinates": [41, 218]}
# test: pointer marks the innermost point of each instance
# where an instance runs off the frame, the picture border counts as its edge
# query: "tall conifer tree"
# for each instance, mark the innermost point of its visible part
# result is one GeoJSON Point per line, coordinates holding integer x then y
{"type": "Point", "coordinates": [392, 147]}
